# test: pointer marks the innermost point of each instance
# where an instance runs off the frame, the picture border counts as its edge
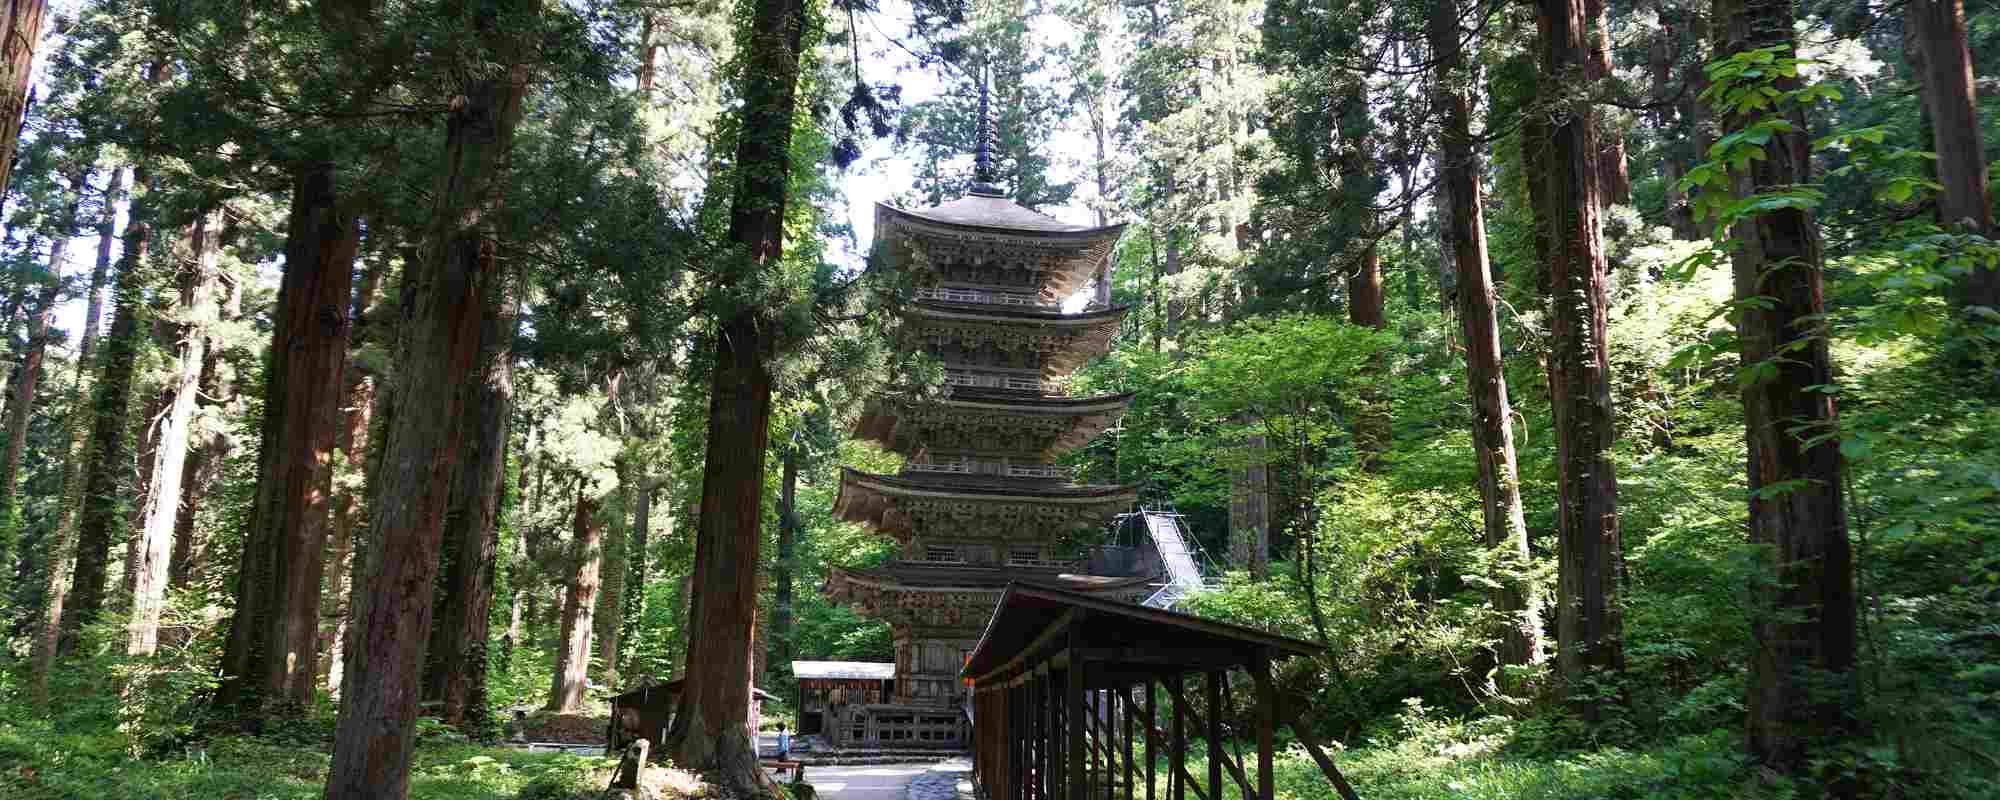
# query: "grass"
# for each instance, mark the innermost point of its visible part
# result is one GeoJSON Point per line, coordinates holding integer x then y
{"type": "Point", "coordinates": [38, 762]}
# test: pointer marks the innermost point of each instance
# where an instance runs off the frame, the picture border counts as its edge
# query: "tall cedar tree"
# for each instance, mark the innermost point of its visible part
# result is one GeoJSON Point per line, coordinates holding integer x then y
{"type": "Point", "coordinates": [437, 357]}
{"type": "Point", "coordinates": [712, 728]}
{"type": "Point", "coordinates": [579, 605]}
{"type": "Point", "coordinates": [1614, 181]}
{"type": "Point", "coordinates": [20, 33]}
{"type": "Point", "coordinates": [471, 544]}
{"type": "Point", "coordinates": [1951, 100]}
{"type": "Point", "coordinates": [785, 568]}
{"type": "Point", "coordinates": [197, 284]}
{"type": "Point", "coordinates": [1802, 683]}
{"type": "Point", "coordinates": [270, 660]}
{"type": "Point", "coordinates": [1492, 435]}
{"type": "Point", "coordinates": [208, 458]}
{"type": "Point", "coordinates": [105, 491]}
{"type": "Point", "coordinates": [62, 551]}
{"type": "Point", "coordinates": [1589, 624]}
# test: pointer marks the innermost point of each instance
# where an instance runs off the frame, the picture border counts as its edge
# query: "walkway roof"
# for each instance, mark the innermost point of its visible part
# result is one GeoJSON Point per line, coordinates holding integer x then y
{"type": "Point", "coordinates": [1033, 624]}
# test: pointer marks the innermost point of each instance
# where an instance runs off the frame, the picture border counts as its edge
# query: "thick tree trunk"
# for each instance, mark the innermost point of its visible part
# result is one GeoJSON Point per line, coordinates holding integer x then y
{"type": "Point", "coordinates": [351, 442]}
{"type": "Point", "coordinates": [20, 33]}
{"type": "Point", "coordinates": [642, 523]}
{"type": "Point", "coordinates": [1589, 624]}
{"type": "Point", "coordinates": [712, 730]}
{"type": "Point", "coordinates": [610, 614]}
{"type": "Point", "coordinates": [1613, 181]}
{"type": "Point", "coordinates": [1949, 95]}
{"type": "Point", "coordinates": [270, 660]}
{"type": "Point", "coordinates": [472, 529]}
{"type": "Point", "coordinates": [163, 497]}
{"type": "Point", "coordinates": [1492, 435]}
{"type": "Point", "coordinates": [62, 551]}
{"type": "Point", "coordinates": [1802, 679]}
{"type": "Point", "coordinates": [438, 356]}
{"type": "Point", "coordinates": [579, 604]}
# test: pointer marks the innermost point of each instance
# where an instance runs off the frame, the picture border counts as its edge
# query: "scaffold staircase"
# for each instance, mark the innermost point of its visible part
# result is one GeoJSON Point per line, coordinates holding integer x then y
{"type": "Point", "coordinates": [1180, 552]}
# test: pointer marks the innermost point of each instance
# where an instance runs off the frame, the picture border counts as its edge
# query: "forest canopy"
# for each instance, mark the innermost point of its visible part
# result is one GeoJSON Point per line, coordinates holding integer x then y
{"type": "Point", "coordinates": [1609, 391]}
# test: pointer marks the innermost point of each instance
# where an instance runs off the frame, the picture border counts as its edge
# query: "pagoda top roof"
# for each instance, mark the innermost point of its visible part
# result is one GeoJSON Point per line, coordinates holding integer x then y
{"type": "Point", "coordinates": [983, 212]}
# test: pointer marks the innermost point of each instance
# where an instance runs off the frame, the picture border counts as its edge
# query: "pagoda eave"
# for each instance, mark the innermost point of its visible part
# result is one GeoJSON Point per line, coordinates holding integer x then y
{"type": "Point", "coordinates": [938, 597]}
{"type": "Point", "coordinates": [1016, 510]}
{"type": "Point", "coordinates": [1064, 343]}
{"type": "Point", "coordinates": [1065, 255]}
{"type": "Point", "coordinates": [1036, 425]}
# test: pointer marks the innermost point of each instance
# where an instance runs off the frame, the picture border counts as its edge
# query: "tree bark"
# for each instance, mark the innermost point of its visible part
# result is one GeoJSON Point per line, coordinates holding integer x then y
{"type": "Point", "coordinates": [270, 660]}
{"type": "Point", "coordinates": [1951, 99]}
{"type": "Point", "coordinates": [163, 497]}
{"type": "Point", "coordinates": [28, 373]}
{"type": "Point", "coordinates": [438, 355]}
{"type": "Point", "coordinates": [1506, 526]}
{"type": "Point", "coordinates": [579, 603]}
{"type": "Point", "coordinates": [1589, 623]}
{"type": "Point", "coordinates": [712, 729]}
{"type": "Point", "coordinates": [1802, 679]}
{"type": "Point", "coordinates": [20, 34]}
{"type": "Point", "coordinates": [472, 528]}
{"type": "Point", "coordinates": [1660, 57]}
{"type": "Point", "coordinates": [1250, 505]}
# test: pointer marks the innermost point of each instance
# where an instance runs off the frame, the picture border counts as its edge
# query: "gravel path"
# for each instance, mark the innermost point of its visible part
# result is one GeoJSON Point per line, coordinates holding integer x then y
{"type": "Point", "coordinates": [877, 782]}
{"type": "Point", "coordinates": [948, 780]}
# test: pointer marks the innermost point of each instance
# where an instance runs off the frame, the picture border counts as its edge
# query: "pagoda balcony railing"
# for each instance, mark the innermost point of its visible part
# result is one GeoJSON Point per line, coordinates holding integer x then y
{"type": "Point", "coordinates": [956, 467]}
{"type": "Point", "coordinates": [1036, 471]}
{"type": "Point", "coordinates": [989, 381]}
{"type": "Point", "coordinates": [981, 296]}
{"type": "Point", "coordinates": [970, 467]}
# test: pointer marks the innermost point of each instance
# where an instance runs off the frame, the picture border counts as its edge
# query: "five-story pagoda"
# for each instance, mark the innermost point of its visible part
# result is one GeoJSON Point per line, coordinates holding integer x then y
{"type": "Point", "coordinates": [979, 501]}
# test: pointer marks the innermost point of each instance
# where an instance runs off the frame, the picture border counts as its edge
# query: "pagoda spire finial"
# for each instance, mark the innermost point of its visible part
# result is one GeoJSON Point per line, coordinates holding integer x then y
{"type": "Point", "coordinates": [985, 136]}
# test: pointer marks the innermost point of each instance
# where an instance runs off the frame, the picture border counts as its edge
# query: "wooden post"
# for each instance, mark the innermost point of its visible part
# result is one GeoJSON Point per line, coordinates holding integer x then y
{"type": "Point", "coordinates": [1177, 742]}
{"type": "Point", "coordinates": [1125, 702]}
{"type": "Point", "coordinates": [1267, 721]}
{"type": "Point", "coordinates": [1073, 707]}
{"type": "Point", "coordinates": [632, 766]}
{"type": "Point", "coordinates": [1215, 785]}
{"type": "Point", "coordinates": [1152, 724]}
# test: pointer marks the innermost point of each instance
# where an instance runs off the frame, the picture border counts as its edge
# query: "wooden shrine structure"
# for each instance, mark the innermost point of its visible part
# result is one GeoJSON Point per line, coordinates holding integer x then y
{"type": "Point", "coordinates": [1079, 698]}
{"type": "Point", "coordinates": [980, 501]}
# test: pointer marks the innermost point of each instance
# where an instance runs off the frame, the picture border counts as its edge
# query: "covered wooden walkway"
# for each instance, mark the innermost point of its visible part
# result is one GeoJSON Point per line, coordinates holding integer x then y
{"type": "Point", "coordinates": [1080, 698]}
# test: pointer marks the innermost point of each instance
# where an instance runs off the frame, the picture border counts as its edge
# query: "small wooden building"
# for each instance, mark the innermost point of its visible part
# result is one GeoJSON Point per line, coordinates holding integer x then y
{"type": "Point", "coordinates": [646, 712]}
{"type": "Point", "coordinates": [1067, 696]}
{"type": "Point", "coordinates": [832, 694]}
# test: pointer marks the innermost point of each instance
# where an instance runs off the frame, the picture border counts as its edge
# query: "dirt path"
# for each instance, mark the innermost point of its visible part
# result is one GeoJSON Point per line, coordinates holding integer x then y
{"type": "Point", "coordinates": [878, 782]}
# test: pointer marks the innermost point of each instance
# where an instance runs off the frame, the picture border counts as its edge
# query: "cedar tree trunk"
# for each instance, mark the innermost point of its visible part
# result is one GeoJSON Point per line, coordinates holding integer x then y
{"type": "Point", "coordinates": [1589, 624]}
{"type": "Point", "coordinates": [1802, 679]}
{"type": "Point", "coordinates": [438, 356]}
{"type": "Point", "coordinates": [712, 729]}
{"type": "Point", "coordinates": [579, 604]}
{"type": "Point", "coordinates": [1939, 28]}
{"type": "Point", "coordinates": [1492, 435]}
{"type": "Point", "coordinates": [271, 657]}
{"type": "Point", "coordinates": [472, 530]}
{"type": "Point", "coordinates": [163, 497]}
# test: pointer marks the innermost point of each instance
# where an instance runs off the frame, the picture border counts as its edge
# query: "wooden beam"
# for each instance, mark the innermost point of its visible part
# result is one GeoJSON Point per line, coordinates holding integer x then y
{"type": "Point", "coordinates": [1177, 744]}
{"type": "Point", "coordinates": [1214, 728]}
{"type": "Point", "coordinates": [1152, 721]}
{"type": "Point", "coordinates": [1267, 721]}
{"type": "Point", "coordinates": [1305, 736]}
{"type": "Point", "coordinates": [1218, 758]}
{"type": "Point", "coordinates": [1073, 707]}
{"type": "Point", "coordinates": [1125, 704]}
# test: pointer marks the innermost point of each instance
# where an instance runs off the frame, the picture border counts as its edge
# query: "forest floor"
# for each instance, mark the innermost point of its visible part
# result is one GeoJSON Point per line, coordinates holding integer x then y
{"type": "Point", "coordinates": [38, 762]}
